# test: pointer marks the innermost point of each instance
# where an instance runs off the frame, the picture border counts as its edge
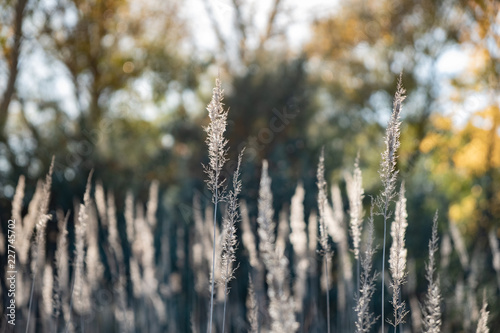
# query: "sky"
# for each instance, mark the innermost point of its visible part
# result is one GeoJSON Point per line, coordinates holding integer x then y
{"type": "Point", "coordinates": [298, 30]}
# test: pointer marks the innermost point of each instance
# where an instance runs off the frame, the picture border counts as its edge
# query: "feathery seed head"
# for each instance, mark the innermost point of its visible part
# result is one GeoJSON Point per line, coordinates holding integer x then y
{"type": "Point", "coordinates": [216, 142]}
{"type": "Point", "coordinates": [388, 172]}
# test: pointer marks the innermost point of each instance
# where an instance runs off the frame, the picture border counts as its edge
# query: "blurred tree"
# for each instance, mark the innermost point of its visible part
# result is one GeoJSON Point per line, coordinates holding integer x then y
{"type": "Point", "coordinates": [470, 149]}
{"type": "Point", "coordinates": [117, 63]}
{"type": "Point", "coordinates": [253, 38]}
{"type": "Point", "coordinates": [358, 53]}
{"type": "Point", "coordinates": [11, 39]}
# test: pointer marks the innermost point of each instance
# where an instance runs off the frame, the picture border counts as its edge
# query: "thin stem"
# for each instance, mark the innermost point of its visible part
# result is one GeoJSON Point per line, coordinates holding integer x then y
{"type": "Point", "coordinates": [327, 295]}
{"type": "Point", "coordinates": [225, 300]}
{"type": "Point", "coordinates": [383, 261]}
{"type": "Point", "coordinates": [31, 298]}
{"type": "Point", "coordinates": [213, 260]}
{"type": "Point", "coordinates": [357, 273]}
{"type": "Point", "coordinates": [399, 298]}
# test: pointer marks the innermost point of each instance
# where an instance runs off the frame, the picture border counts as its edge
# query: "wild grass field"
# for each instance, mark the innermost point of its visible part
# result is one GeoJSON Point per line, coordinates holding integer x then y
{"type": "Point", "coordinates": [92, 269]}
{"type": "Point", "coordinates": [226, 166]}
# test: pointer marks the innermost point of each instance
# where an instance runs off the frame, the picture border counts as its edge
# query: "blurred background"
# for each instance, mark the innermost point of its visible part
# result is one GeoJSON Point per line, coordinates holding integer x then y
{"type": "Point", "coordinates": [121, 87]}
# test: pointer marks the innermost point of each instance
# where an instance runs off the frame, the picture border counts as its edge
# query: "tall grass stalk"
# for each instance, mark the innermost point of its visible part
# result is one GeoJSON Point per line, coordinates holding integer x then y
{"type": "Point", "coordinates": [78, 273]}
{"type": "Point", "coordinates": [432, 304]}
{"type": "Point", "coordinates": [323, 232]}
{"type": "Point", "coordinates": [281, 304]}
{"type": "Point", "coordinates": [229, 242]}
{"type": "Point", "coordinates": [217, 158]}
{"type": "Point", "coordinates": [388, 173]}
{"type": "Point", "coordinates": [355, 193]}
